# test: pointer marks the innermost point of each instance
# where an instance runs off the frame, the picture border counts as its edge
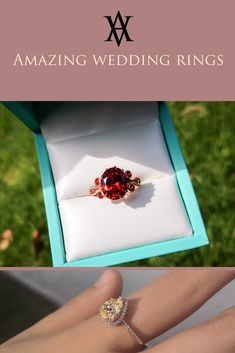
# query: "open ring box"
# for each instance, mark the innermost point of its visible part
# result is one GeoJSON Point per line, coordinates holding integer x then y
{"type": "Point", "coordinates": [76, 142]}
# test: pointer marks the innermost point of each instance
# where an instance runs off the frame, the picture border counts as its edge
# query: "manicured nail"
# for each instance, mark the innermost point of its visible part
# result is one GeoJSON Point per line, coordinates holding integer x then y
{"type": "Point", "coordinates": [103, 279]}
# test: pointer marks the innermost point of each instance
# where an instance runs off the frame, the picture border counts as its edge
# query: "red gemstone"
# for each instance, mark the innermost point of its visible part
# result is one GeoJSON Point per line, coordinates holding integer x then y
{"type": "Point", "coordinates": [131, 187]}
{"type": "Point", "coordinates": [128, 174]}
{"type": "Point", "coordinates": [97, 181]}
{"type": "Point", "coordinates": [114, 183]}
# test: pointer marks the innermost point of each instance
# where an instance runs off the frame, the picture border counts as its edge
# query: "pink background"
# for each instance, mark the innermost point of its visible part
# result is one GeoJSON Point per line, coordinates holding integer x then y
{"type": "Point", "coordinates": [158, 27]}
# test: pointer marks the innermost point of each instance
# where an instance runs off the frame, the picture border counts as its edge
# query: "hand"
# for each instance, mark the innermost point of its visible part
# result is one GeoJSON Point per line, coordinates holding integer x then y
{"type": "Point", "coordinates": [153, 309]}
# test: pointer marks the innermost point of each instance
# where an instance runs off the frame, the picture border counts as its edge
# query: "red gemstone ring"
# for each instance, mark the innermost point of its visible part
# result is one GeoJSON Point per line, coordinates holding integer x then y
{"type": "Point", "coordinates": [114, 184]}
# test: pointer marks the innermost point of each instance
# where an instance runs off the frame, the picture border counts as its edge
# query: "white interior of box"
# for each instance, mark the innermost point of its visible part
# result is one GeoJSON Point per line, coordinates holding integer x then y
{"type": "Point", "coordinates": [83, 139]}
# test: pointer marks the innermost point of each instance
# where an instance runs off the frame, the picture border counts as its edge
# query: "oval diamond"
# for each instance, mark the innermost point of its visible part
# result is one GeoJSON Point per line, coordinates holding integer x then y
{"type": "Point", "coordinates": [111, 310]}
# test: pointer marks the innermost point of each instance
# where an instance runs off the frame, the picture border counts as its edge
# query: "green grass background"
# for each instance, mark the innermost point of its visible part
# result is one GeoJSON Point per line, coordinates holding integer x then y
{"type": "Point", "coordinates": [207, 135]}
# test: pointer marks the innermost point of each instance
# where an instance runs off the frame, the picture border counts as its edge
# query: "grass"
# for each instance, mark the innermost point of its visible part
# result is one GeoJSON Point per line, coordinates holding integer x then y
{"type": "Point", "coordinates": [21, 201]}
{"type": "Point", "coordinates": [206, 132]}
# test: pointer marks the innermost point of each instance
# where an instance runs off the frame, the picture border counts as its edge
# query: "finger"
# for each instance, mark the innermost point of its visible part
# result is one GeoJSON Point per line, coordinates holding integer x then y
{"type": "Point", "coordinates": [160, 305]}
{"type": "Point", "coordinates": [169, 300]}
{"type": "Point", "coordinates": [78, 309]}
{"type": "Point", "coordinates": [86, 304]}
{"type": "Point", "coordinates": [214, 336]}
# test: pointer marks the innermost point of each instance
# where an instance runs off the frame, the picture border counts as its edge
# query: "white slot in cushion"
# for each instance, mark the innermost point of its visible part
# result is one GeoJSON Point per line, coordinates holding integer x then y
{"type": "Point", "coordinates": [139, 148]}
{"type": "Point", "coordinates": [153, 213]}
{"type": "Point", "coordinates": [85, 140]}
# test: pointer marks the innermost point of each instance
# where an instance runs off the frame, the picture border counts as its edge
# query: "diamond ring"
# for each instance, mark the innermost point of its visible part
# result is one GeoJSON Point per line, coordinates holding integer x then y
{"type": "Point", "coordinates": [114, 184]}
{"type": "Point", "coordinates": [113, 312]}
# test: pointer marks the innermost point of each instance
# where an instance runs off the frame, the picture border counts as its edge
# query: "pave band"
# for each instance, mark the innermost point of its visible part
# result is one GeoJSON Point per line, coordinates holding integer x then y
{"type": "Point", "coordinates": [113, 312]}
{"type": "Point", "coordinates": [136, 337]}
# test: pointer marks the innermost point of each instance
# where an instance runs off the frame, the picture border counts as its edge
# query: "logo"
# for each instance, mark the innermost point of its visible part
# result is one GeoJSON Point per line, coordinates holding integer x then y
{"type": "Point", "coordinates": [118, 28]}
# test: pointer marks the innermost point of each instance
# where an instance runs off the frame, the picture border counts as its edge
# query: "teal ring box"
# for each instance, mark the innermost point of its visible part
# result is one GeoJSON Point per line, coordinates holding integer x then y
{"type": "Point", "coordinates": [26, 113]}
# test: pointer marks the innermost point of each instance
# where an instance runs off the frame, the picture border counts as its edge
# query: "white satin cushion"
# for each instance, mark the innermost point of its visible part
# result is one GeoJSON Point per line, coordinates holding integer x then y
{"type": "Point", "coordinates": [153, 213]}
{"type": "Point", "coordinates": [86, 139]}
{"type": "Point", "coordinates": [139, 148]}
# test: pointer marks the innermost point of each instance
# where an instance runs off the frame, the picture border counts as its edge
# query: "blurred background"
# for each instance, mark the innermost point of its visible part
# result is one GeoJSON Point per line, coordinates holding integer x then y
{"type": "Point", "coordinates": [29, 295]}
{"type": "Point", "coordinates": [206, 132]}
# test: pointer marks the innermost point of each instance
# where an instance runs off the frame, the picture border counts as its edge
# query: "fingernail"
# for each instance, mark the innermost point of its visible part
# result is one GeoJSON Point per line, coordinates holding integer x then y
{"type": "Point", "coordinates": [102, 280]}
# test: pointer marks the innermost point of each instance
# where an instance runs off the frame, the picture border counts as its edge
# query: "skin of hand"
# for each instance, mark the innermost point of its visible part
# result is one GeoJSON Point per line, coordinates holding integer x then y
{"type": "Point", "coordinates": [153, 309]}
